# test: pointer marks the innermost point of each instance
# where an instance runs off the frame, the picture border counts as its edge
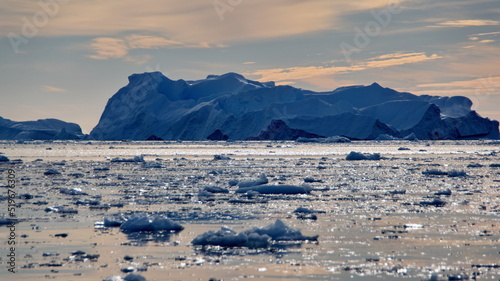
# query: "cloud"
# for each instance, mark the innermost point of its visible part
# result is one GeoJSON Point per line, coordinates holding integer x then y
{"type": "Point", "coordinates": [47, 88]}
{"type": "Point", "coordinates": [189, 22]}
{"type": "Point", "coordinates": [118, 48]}
{"type": "Point", "coordinates": [467, 23]}
{"type": "Point", "coordinates": [486, 34]}
{"type": "Point", "coordinates": [149, 42]}
{"type": "Point", "coordinates": [303, 73]}
{"type": "Point", "coordinates": [484, 85]}
{"type": "Point", "coordinates": [108, 48]}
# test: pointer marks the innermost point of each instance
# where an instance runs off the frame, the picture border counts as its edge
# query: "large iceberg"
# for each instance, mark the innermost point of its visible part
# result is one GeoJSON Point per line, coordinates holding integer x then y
{"type": "Point", "coordinates": [230, 106]}
{"type": "Point", "coordinates": [43, 129]}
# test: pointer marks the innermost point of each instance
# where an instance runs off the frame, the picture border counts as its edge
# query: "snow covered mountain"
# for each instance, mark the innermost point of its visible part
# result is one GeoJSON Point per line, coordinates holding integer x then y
{"type": "Point", "coordinates": [153, 106]}
{"type": "Point", "coordinates": [43, 129]}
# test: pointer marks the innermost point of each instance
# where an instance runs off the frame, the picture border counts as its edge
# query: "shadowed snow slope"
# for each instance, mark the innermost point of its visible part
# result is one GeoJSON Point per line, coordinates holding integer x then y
{"type": "Point", "coordinates": [232, 107]}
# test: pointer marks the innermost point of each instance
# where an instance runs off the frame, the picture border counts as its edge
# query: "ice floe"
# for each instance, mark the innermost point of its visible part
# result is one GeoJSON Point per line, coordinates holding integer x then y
{"type": "Point", "coordinates": [252, 238]}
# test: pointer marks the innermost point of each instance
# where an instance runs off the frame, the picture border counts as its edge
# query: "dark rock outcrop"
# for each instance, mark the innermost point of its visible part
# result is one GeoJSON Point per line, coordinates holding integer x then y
{"type": "Point", "coordinates": [217, 135]}
{"type": "Point", "coordinates": [278, 130]}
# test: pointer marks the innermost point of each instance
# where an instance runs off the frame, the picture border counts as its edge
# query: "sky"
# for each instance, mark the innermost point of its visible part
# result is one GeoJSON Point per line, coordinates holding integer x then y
{"type": "Point", "coordinates": [65, 58]}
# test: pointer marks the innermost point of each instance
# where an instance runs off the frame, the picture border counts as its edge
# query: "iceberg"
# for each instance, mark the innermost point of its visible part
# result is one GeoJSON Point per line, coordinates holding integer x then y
{"type": "Point", "coordinates": [43, 129]}
{"type": "Point", "coordinates": [232, 107]}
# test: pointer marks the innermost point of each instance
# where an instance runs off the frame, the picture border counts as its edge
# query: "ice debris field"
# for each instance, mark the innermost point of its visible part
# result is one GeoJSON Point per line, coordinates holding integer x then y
{"type": "Point", "coordinates": [263, 210]}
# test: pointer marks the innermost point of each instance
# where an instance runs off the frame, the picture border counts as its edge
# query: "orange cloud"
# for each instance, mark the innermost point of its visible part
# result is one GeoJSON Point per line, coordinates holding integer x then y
{"type": "Point", "coordinates": [108, 48]}
{"type": "Point", "coordinates": [301, 73]}
{"type": "Point", "coordinates": [189, 22]}
{"type": "Point", "coordinates": [465, 23]}
{"type": "Point", "coordinates": [117, 48]}
{"type": "Point", "coordinates": [47, 88]}
{"type": "Point", "coordinates": [484, 85]}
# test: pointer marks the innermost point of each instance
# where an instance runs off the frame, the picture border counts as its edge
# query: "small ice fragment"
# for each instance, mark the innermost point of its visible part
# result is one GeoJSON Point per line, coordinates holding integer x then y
{"type": "Point", "coordinates": [413, 226]}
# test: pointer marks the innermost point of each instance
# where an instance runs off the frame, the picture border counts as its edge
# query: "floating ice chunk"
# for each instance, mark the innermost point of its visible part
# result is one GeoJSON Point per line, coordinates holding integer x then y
{"type": "Point", "coordinates": [435, 202]}
{"type": "Point", "coordinates": [252, 238]}
{"type": "Point", "coordinates": [451, 174]}
{"type": "Point", "coordinates": [360, 156]}
{"type": "Point", "coordinates": [221, 157]}
{"type": "Point", "coordinates": [454, 174]}
{"type": "Point", "coordinates": [434, 172]}
{"type": "Point", "coordinates": [413, 226]}
{"type": "Point", "coordinates": [72, 191]}
{"type": "Point", "coordinates": [225, 237]}
{"type": "Point", "coordinates": [114, 221]}
{"type": "Point", "coordinates": [136, 159]}
{"type": "Point", "coordinates": [303, 210]}
{"type": "Point", "coordinates": [4, 221]}
{"type": "Point", "coordinates": [215, 189]}
{"type": "Point", "coordinates": [51, 172]}
{"type": "Point", "coordinates": [248, 183]}
{"type": "Point", "coordinates": [143, 222]}
{"type": "Point", "coordinates": [278, 231]}
{"type": "Point", "coordinates": [446, 192]}
{"type": "Point", "coordinates": [277, 189]}
{"type": "Point", "coordinates": [130, 277]}
{"type": "Point", "coordinates": [204, 195]}
{"type": "Point", "coordinates": [61, 209]}
{"type": "Point", "coordinates": [310, 179]}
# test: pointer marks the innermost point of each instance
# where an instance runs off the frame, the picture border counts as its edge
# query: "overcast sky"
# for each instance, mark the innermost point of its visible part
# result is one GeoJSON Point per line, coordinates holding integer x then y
{"type": "Point", "coordinates": [65, 58]}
